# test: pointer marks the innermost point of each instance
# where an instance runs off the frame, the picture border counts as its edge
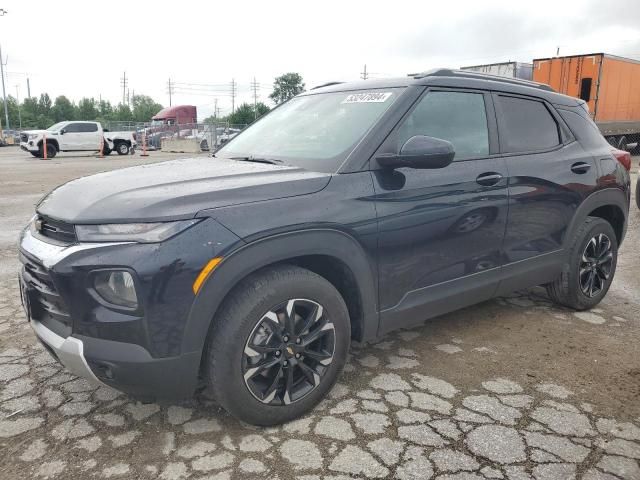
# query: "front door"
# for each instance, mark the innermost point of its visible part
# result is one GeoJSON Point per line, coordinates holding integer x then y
{"type": "Point", "coordinates": [441, 230]}
{"type": "Point", "coordinates": [72, 139]}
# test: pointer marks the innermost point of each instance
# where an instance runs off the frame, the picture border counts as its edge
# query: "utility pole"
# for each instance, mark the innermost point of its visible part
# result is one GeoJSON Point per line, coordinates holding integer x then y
{"type": "Point", "coordinates": [18, 102]}
{"type": "Point", "coordinates": [215, 108]}
{"type": "Point", "coordinates": [28, 88]}
{"type": "Point", "coordinates": [4, 93]}
{"type": "Point", "coordinates": [170, 91]}
{"type": "Point", "coordinates": [123, 84]}
{"type": "Point", "coordinates": [233, 95]}
{"type": "Point", "coordinates": [255, 87]}
{"type": "Point", "coordinates": [364, 75]}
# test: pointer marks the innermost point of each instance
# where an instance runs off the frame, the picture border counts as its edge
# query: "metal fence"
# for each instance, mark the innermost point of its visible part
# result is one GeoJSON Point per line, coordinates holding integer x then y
{"type": "Point", "coordinates": [208, 134]}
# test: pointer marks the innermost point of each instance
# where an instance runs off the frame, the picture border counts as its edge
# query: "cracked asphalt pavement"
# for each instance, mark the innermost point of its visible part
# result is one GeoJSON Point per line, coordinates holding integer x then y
{"type": "Point", "coordinates": [514, 388]}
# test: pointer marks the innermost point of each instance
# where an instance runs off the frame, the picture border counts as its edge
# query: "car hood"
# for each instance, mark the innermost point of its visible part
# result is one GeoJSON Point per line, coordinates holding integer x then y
{"type": "Point", "coordinates": [35, 131]}
{"type": "Point", "coordinates": [176, 189]}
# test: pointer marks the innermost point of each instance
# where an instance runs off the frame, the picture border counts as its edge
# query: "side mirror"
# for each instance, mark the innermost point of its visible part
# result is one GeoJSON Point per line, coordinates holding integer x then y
{"type": "Point", "coordinates": [422, 152]}
{"type": "Point", "coordinates": [62, 132]}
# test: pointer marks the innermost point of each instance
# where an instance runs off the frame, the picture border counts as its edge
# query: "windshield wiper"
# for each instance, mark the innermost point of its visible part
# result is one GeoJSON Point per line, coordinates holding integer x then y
{"type": "Point", "coordinates": [270, 161]}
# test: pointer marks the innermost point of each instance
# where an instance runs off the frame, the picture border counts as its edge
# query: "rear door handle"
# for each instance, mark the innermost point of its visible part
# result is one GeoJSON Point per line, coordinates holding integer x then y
{"type": "Point", "coordinates": [580, 167]}
{"type": "Point", "coordinates": [488, 179]}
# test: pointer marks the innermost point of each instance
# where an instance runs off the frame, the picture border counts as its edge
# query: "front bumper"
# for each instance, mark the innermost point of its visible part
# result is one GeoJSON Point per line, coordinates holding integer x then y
{"type": "Point", "coordinates": [68, 351]}
{"type": "Point", "coordinates": [29, 146]}
{"type": "Point", "coordinates": [140, 352]}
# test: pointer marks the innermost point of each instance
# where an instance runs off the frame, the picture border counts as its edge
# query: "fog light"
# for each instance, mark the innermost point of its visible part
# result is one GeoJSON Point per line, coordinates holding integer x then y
{"type": "Point", "coordinates": [116, 287]}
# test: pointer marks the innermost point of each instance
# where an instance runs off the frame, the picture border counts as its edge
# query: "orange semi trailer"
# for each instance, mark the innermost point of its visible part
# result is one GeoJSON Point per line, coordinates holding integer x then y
{"type": "Point", "coordinates": [610, 85]}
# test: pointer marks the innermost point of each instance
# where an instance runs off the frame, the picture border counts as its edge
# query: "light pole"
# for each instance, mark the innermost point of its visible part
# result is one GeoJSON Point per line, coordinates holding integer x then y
{"type": "Point", "coordinates": [3, 12]}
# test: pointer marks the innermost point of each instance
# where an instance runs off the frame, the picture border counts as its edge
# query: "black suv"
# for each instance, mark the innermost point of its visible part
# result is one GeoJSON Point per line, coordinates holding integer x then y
{"type": "Point", "coordinates": [350, 210]}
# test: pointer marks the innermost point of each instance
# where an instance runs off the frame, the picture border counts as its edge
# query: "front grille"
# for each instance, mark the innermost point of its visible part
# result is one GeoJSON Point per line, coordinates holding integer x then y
{"type": "Point", "coordinates": [46, 304]}
{"type": "Point", "coordinates": [24, 137]}
{"type": "Point", "coordinates": [55, 229]}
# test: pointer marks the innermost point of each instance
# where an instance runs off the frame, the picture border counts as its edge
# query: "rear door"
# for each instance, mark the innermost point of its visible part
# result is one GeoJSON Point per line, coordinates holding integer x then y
{"type": "Point", "coordinates": [71, 139]}
{"type": "Point", "coordinates": [90, 138]}
{"type": "Point", "coordinates": [549, 176]}
{"type": "Point", "coordinates": [441, 230]}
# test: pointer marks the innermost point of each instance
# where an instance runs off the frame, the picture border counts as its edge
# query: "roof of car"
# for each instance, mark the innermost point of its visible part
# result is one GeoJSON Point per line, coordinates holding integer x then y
{"type": "Point", "coordinates": [454, 78]}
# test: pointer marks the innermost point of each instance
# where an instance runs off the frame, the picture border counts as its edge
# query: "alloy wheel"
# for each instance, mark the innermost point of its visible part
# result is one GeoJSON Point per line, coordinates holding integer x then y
{"type": "Point", "coordinates": [288, 352]}
{"type": "Point", "coordinates": [595, 265]}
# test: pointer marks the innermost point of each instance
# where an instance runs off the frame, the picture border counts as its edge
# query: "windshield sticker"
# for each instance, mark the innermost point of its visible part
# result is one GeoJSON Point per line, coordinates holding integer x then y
{"type": "Point", "coordinates": [372, 97]}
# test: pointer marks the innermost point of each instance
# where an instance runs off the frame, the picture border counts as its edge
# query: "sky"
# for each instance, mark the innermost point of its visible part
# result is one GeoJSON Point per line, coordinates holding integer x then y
{"type": "Point", "coordinates": [82, 48]}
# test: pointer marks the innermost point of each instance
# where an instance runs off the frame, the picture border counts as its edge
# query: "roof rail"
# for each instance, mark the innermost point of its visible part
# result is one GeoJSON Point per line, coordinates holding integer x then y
{"type": "Point", "coordinates": [326, 85]}
{"type": "Point", "coordinates": [447, 72]}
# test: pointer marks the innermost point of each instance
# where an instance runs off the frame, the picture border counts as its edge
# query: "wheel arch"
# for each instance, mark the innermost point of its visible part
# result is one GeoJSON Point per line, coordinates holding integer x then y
{"type": "Point", "coordinates": [52, 141]}
{"type": "Point", "coordinates": [609, 204]}
{"type": "Point", "coordinates": [332, 254]}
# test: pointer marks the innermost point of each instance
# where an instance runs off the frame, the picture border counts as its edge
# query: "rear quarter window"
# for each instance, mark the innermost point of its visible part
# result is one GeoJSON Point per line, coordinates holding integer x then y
{"type": "Point", "coordinates": [584, 129]}
{"type": "Point", "coordinates": [526, 125]}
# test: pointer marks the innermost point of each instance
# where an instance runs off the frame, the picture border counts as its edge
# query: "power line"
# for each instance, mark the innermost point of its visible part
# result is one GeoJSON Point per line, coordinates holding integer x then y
{"type": "Point", "coordinates": [233, 95]}
{"type": "Point", "coordinates": [123, 84]}
{"type": "Point", "coordinates": [255, 87]}
{"type": "Point", "coordinates": [364, 75]}
{"type": "Point", "coordinates": [170, 89]}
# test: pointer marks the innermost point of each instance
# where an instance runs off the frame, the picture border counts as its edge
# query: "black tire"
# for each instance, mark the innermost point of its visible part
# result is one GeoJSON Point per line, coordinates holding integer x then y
{"type": "Point", "coordinates": [638, 191]}
{"type": "Point", "coordinates": [105, 148]}
{"type": "Point", "coordinates": [243, 317]}
{"type": "Point", "coordinates": [567, 289]}
{"type": "Point", "coordinates": [122, 148]}
{"type": "Point", "coordinates": [51, 151]}
{"type": "Point", "coordinates": [36, 154]}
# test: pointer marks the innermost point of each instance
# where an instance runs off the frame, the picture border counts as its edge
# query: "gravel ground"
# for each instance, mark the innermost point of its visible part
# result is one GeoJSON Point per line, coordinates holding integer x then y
{"type": "Point", "coordinates": [513, 388]}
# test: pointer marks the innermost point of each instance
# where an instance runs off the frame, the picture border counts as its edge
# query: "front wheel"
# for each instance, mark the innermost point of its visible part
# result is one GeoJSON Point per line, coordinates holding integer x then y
{"type": "Point", "coordinates": [51, 151]}
{"type": "Point", "coordinates": [591, 265]}
{"type": "Point", "coordinates": [277, 345]}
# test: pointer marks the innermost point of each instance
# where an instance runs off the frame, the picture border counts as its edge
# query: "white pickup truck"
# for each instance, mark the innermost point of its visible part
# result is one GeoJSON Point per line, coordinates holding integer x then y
{"type": "Point", "coordinates": [76, 136]}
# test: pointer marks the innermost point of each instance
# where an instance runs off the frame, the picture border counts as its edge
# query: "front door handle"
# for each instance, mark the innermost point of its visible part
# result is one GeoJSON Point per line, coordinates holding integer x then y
{"type": "Point", "coordinates": [488, 179]}
{"type": "Point", "coordinates": [580, 167]}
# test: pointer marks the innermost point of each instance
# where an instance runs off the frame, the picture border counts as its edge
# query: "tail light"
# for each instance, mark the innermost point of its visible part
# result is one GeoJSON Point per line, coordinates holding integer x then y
{"type": "Point", "coordinates": [623, 157]}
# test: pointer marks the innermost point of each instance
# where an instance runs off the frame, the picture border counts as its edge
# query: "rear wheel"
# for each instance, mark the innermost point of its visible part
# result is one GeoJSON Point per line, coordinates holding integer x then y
{"type": "Point", "coordinates": [588, 274]}
{"type": "Point", "coordinates": [638, 191]}
{"type": "Point", "coordinates": [277, 345]}
{"type": "Point", "coordinates": [122, 148]}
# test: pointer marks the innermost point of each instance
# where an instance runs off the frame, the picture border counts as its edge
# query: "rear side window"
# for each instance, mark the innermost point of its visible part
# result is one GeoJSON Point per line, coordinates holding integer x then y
{"type": "Point", "coordinates": [88, 127]}
{"type": "Point", "coordinates": [584, 129]}
{"type": "Point", "coordinates": [526, 125]}
{"type": "Point", "coordinates": [458, 117]}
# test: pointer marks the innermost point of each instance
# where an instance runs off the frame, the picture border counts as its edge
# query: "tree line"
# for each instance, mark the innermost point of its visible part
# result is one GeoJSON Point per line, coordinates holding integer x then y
{"type": "Point", "coordinates": [41, 112]}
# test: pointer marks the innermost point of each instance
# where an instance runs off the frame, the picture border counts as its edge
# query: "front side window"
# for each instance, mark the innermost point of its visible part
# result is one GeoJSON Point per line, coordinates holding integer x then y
{"type": "Point", "coordinates": [458, 117]}
{"type": "Point", "coordinates": [316, 131]}
{"type": "Point", "coordinates": [73, 128]}
{"type": "Point", "coordinates": [526, 125]}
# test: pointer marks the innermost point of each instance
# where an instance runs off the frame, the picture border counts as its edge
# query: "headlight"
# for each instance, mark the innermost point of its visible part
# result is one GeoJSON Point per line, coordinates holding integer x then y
{"type": "Point", "coordinates": [132, 232]}
{"type": "Point", "coordinates": [116, 287]}
{"type": "Point", "coordinates": [33, 136]}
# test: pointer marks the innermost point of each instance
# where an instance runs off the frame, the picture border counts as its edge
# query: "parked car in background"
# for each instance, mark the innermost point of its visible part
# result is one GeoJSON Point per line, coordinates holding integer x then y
{"type": "Point", "coordinates": [76, 136]}
{"type": "Point", "coordinates": [349, 211]}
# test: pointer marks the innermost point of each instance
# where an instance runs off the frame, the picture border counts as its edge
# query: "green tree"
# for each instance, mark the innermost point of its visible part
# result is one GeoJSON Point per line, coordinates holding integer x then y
{"type": "Point", "coordinates": [62, 109]}
{"type": "Point", "coordinates": [87, 109]}
{"type": "Point", "coordinates": [30, 113]}
{"type": "Point", "coordinates": [262, 109]}
{"type": "Point", "coordinates": [286, 86]}
{"type": "Point", "coordinates": [44, 105]}
{"type": "Point", "coordinates": [144, 108]}
{"type": "Point", "coordinates": [123, 113]}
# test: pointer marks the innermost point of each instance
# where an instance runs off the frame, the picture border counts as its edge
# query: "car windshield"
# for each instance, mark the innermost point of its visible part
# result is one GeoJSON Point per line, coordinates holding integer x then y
{"type": "Point", "coordinates": [56, 127]}
{"type": "Point", "coordinates": [316, 132]}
